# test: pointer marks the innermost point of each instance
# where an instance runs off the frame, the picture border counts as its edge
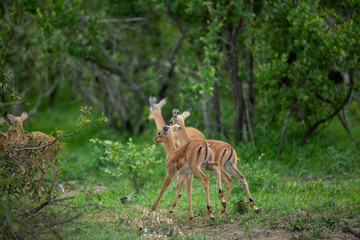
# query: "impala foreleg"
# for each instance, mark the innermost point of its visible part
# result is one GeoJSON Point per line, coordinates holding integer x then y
{"type": "Point", "coordinates": [234, 171]}
{"type": "Point", "coordinates": [188, 191]}
{"type": "Point", "coordinates": [179, 184]}
{"type": "Point", "coordinates": [162, 190]}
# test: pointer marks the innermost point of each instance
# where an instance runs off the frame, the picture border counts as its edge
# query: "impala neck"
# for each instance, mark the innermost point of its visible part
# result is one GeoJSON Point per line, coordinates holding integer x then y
{"type": "Point", "coordinates": [159, 120]}
{"type": "Point", "coordinates": [182, 134]}
{"type": "Point", "coordinates": [169, 144]}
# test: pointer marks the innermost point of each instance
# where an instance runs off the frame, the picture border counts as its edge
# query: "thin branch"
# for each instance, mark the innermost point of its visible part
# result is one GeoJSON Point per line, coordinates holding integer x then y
{"type": "Point", "coordinates": [14, 103]}
{"type": "Point", "coordinates": [176, 19]}
{"type": "Point", "coordinates": [43, 146]}
{"type": "Point", "coordinates": [247, 115]}
{"type": "Point", "coordinates": [116, 70]}
{"type": "Point", "coordinates": [284, 128]}
{"type": "Point", "coordinates": [67, 220]}
{"type": "Point", "coordinates": [343, 121]}
{"type": "Point", "coordinates": [127, 20]}
{"type": "Point", "coordinates": [66, 205]}
{"type": "Point", "coordinates": [44, 204]}
{"type": "Point", "coordinates": [312, 128]}
{"type": "Point", "coordinates": [43, 94]}
{"type": "Point", "coordinates": [52, 230]}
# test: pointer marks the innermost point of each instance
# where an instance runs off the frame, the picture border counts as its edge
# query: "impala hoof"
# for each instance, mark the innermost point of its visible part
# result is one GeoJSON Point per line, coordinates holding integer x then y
{"type": "Point", "coordinates": [258, 210]}
{"type": "Point", "coordinates": [213, 218]}
{"type": "Point", "coordinates": [224, 204]}
{"type": "Point", "coordinates": [171, 211]}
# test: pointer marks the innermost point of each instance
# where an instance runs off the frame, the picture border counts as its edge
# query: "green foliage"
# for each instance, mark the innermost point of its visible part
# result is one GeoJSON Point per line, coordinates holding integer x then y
{"type": "Point", "coordinates": [5, 79]}
{"type": "Point", "coordinates": [304, 33]}
{"type": "Point", "coordinates": [135, 162]}
{"type": "Point", "coordinates": [257, 175]}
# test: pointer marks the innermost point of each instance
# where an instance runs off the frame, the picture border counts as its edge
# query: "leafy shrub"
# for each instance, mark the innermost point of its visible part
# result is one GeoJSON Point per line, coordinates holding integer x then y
{"type": "Point", "coordinates": [131, 160]}
{"type": "Point", "coordinates": [21, 173]}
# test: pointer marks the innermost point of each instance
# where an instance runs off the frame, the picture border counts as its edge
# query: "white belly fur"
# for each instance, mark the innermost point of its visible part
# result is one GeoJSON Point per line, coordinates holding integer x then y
{"type": "Point", "coordinates": [184, 170]}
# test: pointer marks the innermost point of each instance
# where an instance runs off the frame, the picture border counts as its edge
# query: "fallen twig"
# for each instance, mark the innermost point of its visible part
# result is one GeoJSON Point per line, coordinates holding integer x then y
{"type": "Point", "coordinates": [348, 229]}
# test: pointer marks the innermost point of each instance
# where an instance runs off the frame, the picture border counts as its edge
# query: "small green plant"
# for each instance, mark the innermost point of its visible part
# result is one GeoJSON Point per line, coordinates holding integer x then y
{"type": "Point", "coordinates": [131, 160]}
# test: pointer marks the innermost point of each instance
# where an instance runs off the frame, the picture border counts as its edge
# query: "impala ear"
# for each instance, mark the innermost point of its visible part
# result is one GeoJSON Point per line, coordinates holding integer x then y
{"type": "Point", "coordinates": [166, 128]}
{"type": "Point", "coordinates": [24, 115]}
{"type": "Point", "coordinates": [3, 118]}
{"type": "Point", "coordinates": [175, 112]}
{"type": "Point", "coordinates": [162, 103]}
{"type": "Point", "coordinates": [175, 127]}
{"type": "Point", "coordinates": [186, 113]}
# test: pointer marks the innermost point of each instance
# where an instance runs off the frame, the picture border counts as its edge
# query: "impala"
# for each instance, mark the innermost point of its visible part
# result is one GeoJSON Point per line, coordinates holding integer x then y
{"type": "Point", "coordinates": [156, 115]}
{"type": "Point", "coordinates": [17, 137]}
{"type": "Point", "coordinates": [224, 155]}
{"type": "Point", "coordinates": [186, 161]}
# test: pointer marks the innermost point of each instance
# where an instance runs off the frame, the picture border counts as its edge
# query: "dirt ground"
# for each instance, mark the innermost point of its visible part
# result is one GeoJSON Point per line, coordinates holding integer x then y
{"type": "Point", "coordinates": [234, 231]}
{"type": "Point", "coordinates": [156, 225]}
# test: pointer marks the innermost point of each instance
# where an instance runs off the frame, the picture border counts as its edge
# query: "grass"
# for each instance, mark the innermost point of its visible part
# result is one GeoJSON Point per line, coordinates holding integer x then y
{"type": "Point", "coordinates": [307, 192]}
{"type": "Point", "coordinates": [309, 210]}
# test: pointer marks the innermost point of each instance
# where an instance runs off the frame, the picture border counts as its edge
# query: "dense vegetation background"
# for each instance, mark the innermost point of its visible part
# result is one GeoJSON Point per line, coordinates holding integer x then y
{"type": "Point", "coordinates": [276, 79]}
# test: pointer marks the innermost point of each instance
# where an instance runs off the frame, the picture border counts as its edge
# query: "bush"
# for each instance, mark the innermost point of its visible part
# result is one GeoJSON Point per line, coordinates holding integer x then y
{"type": "Point", "coordinates": [130, 160]}
{"type": "Point", "coordinates": [22, 173]}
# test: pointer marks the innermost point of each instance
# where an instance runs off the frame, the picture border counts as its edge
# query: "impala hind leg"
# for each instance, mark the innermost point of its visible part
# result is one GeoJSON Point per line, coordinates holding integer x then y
{"type": "Point", "coordinates": [228, 182]}
{"type": "Point", "coordinates": [188, 191]}
{"type": "Point", "coordinates": [234, 171]}
{"type": "Point", "coordinates": [162, 190]}
{"type": "Point", "coordinates": [218, 170]}
{"type": "Point", "coordinates": [179, 184]}
{"type": "Point", "coordinates": [205, 180]}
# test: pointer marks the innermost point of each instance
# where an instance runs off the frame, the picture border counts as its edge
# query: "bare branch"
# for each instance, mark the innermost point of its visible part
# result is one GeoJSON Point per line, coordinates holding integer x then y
{"type": "Point", "coordinates": [312, 128]}
{"type": "Point", "coordinates": [115, 69]}
{"type": "Point", "coordinates": [44, 204]}
{"type": "Point", "coordinates": [67, 220]}
{"type": "Point", "coordinates": [14, 103]}
{"type": "Point", "coordinates": [284, 128]}
{"type": "Point", "coordinates": [43, 146]}
{"type": "Point", "coordinates": [176, 19]}
{"type": "Point", "coordinates": [126, 20]}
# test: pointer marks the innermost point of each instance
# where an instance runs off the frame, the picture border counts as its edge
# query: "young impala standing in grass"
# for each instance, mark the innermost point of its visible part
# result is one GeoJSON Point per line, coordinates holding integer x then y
{"type": "Point", "coordinates": [224, 154]}
{"type": "Point", "coordinates": [16, 136]}
{"type": "Point", "coordinates": [186, 161]}
{"type": "Point", "coordinates": [156, 115]}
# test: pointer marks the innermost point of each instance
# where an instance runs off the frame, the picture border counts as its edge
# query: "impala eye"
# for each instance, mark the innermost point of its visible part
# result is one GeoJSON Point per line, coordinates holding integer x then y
{"type": "Point", "coordinates": [171, 122]}
{"type": "Point", "coordinates": [159, 133]}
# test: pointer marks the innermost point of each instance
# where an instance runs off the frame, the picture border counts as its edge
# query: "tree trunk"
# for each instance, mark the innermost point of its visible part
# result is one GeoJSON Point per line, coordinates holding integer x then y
{"type": "Point", "coordinates": [236, 83]}
{"type": "Point", "coordinates": [216, 110]}
{"type": "Point", "coordinates": [250, 67]}
{"type": "Point", "coordinates": [206, 117]}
